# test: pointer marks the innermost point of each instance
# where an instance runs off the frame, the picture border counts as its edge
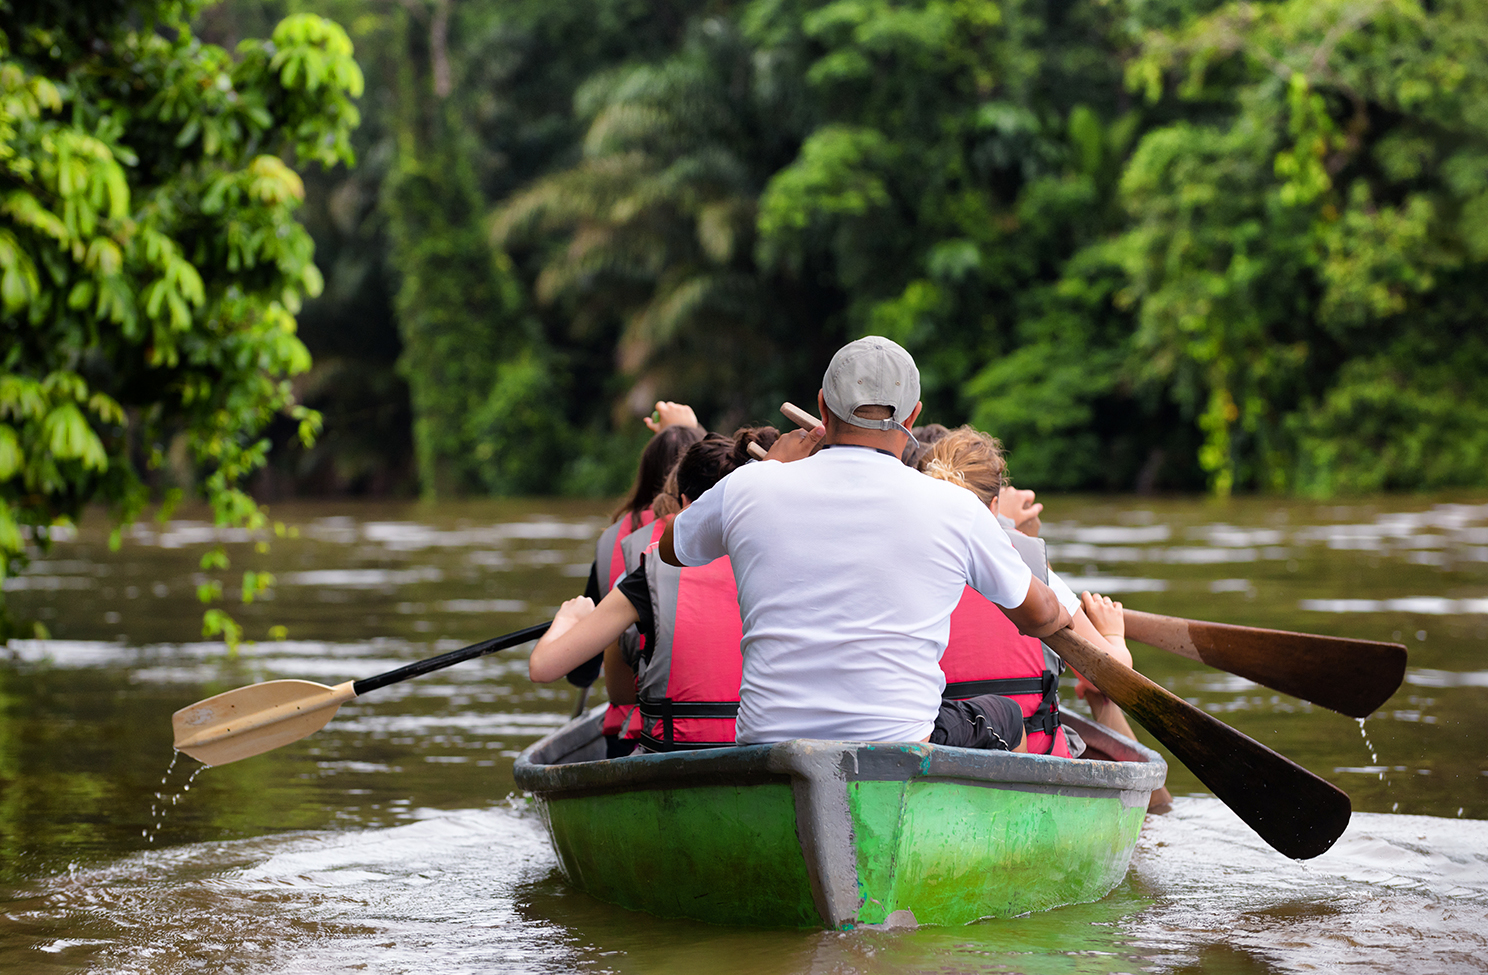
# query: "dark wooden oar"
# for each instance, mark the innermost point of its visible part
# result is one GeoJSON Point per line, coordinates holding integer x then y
{"type": "Point", "coordinates": [1107, 713]}
{"type": "Point", "coordinates": [1298, 813]}
{"type": "Point", "coordinates": [1352, 677]}
{"type": "Point", "coordinates": [252, 720]}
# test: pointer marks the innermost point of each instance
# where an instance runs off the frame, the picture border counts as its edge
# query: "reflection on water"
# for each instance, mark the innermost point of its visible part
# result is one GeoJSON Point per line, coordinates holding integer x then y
{"type": "Point", "coordinates": [387, 842]}
{"type": "Point", "coordinates": [475, 891]}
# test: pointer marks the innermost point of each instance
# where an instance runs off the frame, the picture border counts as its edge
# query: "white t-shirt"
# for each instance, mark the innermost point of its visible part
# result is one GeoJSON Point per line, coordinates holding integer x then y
{"type": "Point", "coordinates": [848, 565]}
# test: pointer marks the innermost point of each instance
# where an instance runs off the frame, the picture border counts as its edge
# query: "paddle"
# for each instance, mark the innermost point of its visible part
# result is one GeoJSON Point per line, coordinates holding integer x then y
{"type": "Point", "coordinates": [1107, 713]}
{"type": "Point", "coordinates": [1352, 677]}
{"type": "Point", "coordinates": [1298, 813]}
{"type": "Point", "coordinates": [259, 718]}
{"type": "Point", "coordinates": [799, 417]}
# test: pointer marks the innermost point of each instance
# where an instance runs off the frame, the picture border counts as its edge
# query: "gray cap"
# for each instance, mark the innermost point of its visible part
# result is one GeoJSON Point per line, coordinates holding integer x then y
{"type": "Point", "coordinates": [873, 371]}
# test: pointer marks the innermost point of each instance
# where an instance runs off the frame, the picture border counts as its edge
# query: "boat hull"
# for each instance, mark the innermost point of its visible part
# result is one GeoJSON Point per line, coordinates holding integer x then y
{"type": "Point", "coordinates": [840, 834]}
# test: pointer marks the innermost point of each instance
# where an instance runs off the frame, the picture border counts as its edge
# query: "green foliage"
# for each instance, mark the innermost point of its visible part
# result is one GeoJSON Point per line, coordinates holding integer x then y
{"type": "Point", "coordinates": [649, 237]}
{"type": "Point", "coordinates": [1149, 245]}
{"type": "Point", "coordinates": [1282, 255]}
{"type": "Point", "coordinates": [499, 390]}
{"type": "Point", "coordinates": [960, 156]}
{"type": "Point", "coordinates": [150, 263]}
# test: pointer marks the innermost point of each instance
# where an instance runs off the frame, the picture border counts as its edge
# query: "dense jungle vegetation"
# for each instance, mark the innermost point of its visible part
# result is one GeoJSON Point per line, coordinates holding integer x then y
{"type": "Point", "coordinates": [1152, 244]}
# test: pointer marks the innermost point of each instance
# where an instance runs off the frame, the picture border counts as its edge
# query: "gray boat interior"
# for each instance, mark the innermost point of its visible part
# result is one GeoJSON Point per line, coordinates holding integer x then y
{"type": "Point", "coordinates": [571, 760]}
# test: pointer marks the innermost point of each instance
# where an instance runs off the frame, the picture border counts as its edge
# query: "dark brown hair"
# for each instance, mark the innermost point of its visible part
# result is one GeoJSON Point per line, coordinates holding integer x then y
{"type": "Point", "coordinates": [927, 435]}
{"type": "Point", "coordinates": [659, 457]}
{"type": "Point", "coordinates": [708, 461]}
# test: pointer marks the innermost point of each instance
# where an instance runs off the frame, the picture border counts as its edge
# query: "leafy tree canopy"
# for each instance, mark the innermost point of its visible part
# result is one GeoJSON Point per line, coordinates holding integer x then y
{"type": "Point", "coordinates": [150, 263]}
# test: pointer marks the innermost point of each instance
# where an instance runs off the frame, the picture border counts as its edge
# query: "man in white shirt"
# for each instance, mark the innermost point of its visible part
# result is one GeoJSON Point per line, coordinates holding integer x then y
{"type": "Point", "coordinates": [848, 566]}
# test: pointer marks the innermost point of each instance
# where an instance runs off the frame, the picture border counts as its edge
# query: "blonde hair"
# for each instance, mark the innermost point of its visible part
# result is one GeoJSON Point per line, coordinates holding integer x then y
{"type": "Point", "coordinates": [968, 458]}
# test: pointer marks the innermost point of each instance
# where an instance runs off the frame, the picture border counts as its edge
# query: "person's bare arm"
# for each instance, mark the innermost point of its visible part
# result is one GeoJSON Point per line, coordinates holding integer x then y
{"type": "Point", "coordinates": [1103, 616]}
{"type": "Point", "coordinates": [579, 631]}
{"type": "Point", "coordinates": [620, 679]}
{"type": "Point", "coordinates": [667, 548]}
{"type": "Point", "coordinates": [1040, 612]}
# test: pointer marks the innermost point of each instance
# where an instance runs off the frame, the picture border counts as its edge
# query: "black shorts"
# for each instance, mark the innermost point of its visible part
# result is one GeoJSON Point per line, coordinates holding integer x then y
{"type": "Point", "coordinates": [989, 721]}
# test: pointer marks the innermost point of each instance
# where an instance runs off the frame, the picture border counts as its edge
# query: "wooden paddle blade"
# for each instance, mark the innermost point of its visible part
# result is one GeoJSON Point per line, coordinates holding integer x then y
{"type": "Point", "coordinates": [255, 719]}
{"type": "Point", "coordinates": [1352, 677]}
{"type": "Point", "coordinates": [1298, 813]}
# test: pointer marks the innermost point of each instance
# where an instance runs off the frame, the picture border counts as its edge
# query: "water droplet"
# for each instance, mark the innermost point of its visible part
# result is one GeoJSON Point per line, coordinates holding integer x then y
{"type": "Point", "coordinates": [165, 799]}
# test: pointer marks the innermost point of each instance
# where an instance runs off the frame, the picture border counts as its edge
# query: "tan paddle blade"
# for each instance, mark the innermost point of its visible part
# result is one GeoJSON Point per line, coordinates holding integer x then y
{"type": "Point", "coordinates": [1352, 677]}
{"type": "Point", "coordinates": [255, 719]}
{"type": "Point", "coordinates": [1298, 813]}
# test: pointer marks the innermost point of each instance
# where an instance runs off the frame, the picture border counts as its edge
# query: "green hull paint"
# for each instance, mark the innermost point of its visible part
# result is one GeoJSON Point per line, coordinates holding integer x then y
{"type": "Point", "coordinates": [953, 853]}
{"type": "Point", "coordinates": [837, 834]}
{"type": "Point", "coordinates": [740, 864]}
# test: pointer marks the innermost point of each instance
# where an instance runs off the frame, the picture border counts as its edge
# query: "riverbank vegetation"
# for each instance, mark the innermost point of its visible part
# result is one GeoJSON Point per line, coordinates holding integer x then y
{"type": "Point", "coordinates": [150, 260]}
{"type": "Point", "coordinates": [1181, 245]}
{"type": "Point", "coordinates": [1178, 245]}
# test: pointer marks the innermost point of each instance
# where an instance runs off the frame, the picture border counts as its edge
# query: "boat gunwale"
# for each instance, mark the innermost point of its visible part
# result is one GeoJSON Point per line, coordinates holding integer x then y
{"type": "Point", "coordinates": [1142, 770]}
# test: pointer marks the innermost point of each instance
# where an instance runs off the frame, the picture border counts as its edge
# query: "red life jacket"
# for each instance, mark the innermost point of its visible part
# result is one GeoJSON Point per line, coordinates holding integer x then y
{"type": "Point", "coordinates": [987, 655]}
{"type": "Point", "coordinates": [634, 545]}
{"type": "Point", "coordinates": [609, 558]}
{"type": "Point", "coordinates": [688, 688]}
{"type": "Point", "coordinates": [609, 569]}
{"type": "Point", "coordinates": [632, 643]}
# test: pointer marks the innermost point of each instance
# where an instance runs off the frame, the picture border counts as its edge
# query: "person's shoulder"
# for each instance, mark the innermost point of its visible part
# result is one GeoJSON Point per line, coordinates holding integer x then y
{"type": "Point", "coordinates": [952, 496]}
{"type": "Point", "coordinates": [757, 472]}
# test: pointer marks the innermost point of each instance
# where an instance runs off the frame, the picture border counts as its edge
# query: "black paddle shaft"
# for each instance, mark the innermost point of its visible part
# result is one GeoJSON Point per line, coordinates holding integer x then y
{"type": "Point", "coordinates": [421, 667]}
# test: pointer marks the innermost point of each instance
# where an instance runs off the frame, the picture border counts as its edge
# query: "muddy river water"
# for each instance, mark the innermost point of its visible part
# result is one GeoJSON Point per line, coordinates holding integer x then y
{"type": "Point", "coordinates": [394, 839]}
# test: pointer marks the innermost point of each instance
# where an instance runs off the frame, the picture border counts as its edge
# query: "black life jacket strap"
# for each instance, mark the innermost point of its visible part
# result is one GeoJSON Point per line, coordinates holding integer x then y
{"type": "Point", "coordinates": [657, 745]}
{"type": "Point", "coordinates": [1045, 718]}
{"type": "Point", "coordinates": [1007, 687]}
{"type": "Point", "coordinates": [667, 710]}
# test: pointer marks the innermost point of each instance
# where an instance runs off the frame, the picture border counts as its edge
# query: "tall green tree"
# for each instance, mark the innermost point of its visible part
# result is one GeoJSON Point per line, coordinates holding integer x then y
{"type": "Point", "coordinates": [961, 154]}
{"type": "Point", "coordinates": [483, 102]}
{"type": "Point", "coordinates": [150, 263]}
{"type": "Point", "coordinates": [1165, 244]}
{"type": "Point", "coordinates": [649, 239]}
{"type": "Point", "coordinates": [1306, 246]}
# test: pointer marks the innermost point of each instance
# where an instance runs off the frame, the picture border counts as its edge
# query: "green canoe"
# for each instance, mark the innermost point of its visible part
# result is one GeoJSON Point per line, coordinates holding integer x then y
{"type": "Point", "coordinates": [811, 833]}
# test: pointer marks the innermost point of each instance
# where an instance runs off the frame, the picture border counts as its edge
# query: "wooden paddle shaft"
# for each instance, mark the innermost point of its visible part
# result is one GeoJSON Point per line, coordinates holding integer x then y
{"type": "Point", "coordinates": [799, 416]}
{"type": "Point", "coordinates": [1105, 711]}
{"type": "Point", "coordinates": [1298, 813]}
{"type": "Point", "coordinates": [1353, 677]}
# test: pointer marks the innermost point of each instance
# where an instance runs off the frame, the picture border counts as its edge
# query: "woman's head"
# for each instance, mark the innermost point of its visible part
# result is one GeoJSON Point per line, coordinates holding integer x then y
{"type": "Point", "coordinates": [968, 458]}
{"type": "Point", "coordinates": [659, 457]}
{"type": "Point", "coordinates": [707, 462]}
{"type": "Point", "coordinates": [924, 437]}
